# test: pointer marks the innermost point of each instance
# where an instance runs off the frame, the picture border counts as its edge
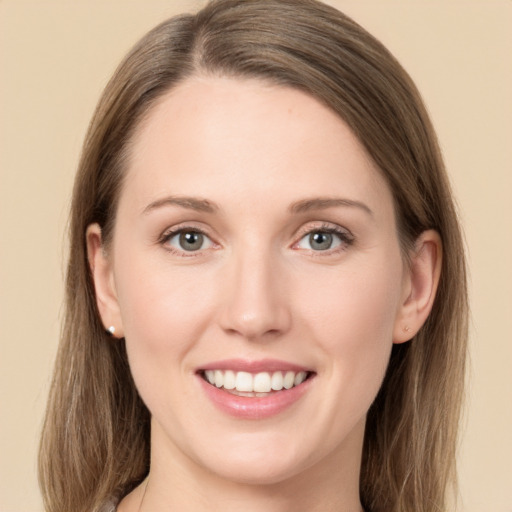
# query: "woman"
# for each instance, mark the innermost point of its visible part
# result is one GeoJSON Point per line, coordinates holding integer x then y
{"type": "Point", "coordinates": [266, 292]}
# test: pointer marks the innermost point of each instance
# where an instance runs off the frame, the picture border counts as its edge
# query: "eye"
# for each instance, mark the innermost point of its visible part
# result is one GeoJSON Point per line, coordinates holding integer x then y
{"type": "Point", "coordinates": [319, 241]}
{"type": "Point", "coordinates": [325, 239]}
{"type": "Point", "coordinates": [188, 241]}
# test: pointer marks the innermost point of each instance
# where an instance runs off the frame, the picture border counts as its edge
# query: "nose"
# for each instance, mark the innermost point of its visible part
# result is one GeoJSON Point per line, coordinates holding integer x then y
{"type": "Point", "coordinates": [256, 306]}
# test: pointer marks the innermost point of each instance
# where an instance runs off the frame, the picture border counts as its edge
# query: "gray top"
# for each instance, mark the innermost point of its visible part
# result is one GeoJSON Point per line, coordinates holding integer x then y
{"type": "Point", "coordinates": [110, 505]}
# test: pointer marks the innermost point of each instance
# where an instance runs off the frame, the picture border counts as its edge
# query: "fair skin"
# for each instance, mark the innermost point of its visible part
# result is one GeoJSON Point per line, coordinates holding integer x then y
{"type": "Point", "coordinates": [253, 227]}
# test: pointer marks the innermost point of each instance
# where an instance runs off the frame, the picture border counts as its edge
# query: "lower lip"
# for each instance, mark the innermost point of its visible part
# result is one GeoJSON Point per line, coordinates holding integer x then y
{"type": "Point", "coordinates": [254, 408]}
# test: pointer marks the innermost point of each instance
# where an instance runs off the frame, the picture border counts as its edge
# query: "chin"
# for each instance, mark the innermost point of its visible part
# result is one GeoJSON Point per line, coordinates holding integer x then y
{"type": "Point", "coordinates": [262, 460]}
{"type": "Point", "coordinates": [257, 473]}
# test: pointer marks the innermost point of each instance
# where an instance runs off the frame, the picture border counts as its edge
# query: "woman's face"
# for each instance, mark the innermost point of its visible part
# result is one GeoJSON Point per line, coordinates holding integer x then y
{"type": "Point", "coordinates": [255, 247]}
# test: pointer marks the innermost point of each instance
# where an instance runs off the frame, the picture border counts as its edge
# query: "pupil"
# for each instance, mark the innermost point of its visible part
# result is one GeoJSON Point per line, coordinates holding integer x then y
{"type": "Point", "coordinates": [320, 241]}
{"type": "Point", "coordinates": [191, 241]}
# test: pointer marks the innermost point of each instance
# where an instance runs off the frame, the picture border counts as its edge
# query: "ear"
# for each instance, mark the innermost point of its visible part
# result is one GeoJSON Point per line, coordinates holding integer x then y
{"type": "Point", "coordinates": [420, 286]}
{"type": "Point", "coordinates": [103, 277]}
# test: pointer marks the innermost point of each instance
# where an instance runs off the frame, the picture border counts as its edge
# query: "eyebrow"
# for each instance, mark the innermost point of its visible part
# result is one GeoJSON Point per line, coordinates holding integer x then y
{"type": "Point", "coordinates": [302, 206]}
{"type": "Point", "coordinates": [190, 203]}
{"type": "Point", "coordinates": [322, 203]}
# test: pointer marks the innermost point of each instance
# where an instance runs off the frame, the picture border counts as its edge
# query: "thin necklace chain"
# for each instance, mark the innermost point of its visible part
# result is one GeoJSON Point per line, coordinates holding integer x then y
{"type": "Point", "coordinates": [146, 488]}
{"type": "Point", "coordinates": [143, 495]}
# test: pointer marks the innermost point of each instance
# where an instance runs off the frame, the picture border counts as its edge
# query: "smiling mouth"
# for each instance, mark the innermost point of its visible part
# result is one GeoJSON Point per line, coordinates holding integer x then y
{"type": "Point", "coordinates": [259, 384]}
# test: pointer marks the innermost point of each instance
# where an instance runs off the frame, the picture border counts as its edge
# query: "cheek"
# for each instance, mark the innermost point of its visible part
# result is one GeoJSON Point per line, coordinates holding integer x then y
{"type": "Point", "coordinates": [353, 322]}
{"type": "Point", "coordinates": [357, 306]}
{"type": "Point", "coordinates": [164, 314]}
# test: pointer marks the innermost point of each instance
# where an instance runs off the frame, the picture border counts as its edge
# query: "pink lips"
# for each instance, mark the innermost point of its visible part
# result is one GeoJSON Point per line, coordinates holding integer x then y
{"type": "Point", "coordinates": [263, 365]}
{"type": "Point", "coordinates": [253, 408]}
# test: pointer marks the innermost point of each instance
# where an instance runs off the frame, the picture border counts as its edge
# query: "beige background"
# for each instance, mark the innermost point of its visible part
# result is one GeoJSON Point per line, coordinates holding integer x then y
{"type": "Point", "coordinates": [56, 57]}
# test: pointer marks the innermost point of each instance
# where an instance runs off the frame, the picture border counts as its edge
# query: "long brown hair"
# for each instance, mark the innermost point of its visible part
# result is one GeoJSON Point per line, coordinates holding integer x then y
{"type": "Point", "coordinates": [95, 442]}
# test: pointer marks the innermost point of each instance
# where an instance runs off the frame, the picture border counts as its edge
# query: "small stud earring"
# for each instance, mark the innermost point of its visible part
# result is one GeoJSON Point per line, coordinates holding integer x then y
{"type": "Point", "coordinates": [111, 330]}
{"type": "Point", "coordinates": [407, 328]}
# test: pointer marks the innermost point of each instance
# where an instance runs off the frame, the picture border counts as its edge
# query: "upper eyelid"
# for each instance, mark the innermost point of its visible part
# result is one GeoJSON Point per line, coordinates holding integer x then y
{"type": "Point", "coordinates": [171, 232]}
{"type": "Point", "coordinates": [324, 226]}
{"type": "Point", "coordinates": [179, 228]}
{"type": "Point", "coordinates": [304, 230]}
{"type": "Point", "coordinates": [344, 234]}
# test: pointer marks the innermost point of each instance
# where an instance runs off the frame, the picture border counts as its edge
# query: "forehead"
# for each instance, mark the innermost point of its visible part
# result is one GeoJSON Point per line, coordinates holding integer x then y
{"type": "Point", "coordinates": [226, 138]}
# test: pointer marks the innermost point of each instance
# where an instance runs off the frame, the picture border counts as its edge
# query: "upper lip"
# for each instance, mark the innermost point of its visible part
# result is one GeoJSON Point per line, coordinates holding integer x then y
{"type": "Point", "coordinates": [254, 366]}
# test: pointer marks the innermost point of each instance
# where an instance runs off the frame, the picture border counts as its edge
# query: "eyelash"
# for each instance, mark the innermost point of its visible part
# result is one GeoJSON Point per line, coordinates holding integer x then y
{"type": "Point", "coordinates": [346, 239]}
{"type": "Point", "coordinates": [170, 234]}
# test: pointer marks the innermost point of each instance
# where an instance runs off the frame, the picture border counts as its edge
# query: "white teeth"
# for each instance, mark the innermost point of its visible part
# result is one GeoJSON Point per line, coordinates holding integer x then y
{"type": "Point", "coordinates": [299, 378]}
{"type": "Point", "coordinates": [219, 378]}
{"type": "Point", "coordinates": [277, 381]}
{"type": "Point", "coordinates": [262, 383]}
{"type": "Point", "coordinates": [259, 383]}
{"type": "Point", "coordinates": [229, 380]}
{"type": "Point", "coordinates": [210, 376]}
{"type": "Point", "coordinates": [244, 382]}
{"type": "Point", "coordinates": [289, 379]}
